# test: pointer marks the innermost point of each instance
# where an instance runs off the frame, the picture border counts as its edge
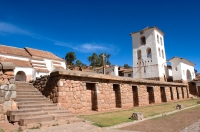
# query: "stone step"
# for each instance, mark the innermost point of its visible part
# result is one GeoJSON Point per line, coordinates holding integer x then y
{"type": "Point", "coordinates": [32, 99]}
{"type": "Point", "coordinates": [24, 106]}
{"type": "Point", "coordinates": [12, 112]}
{"type": "Point", "coordinates": [35, 119]}
{"type": "Point", "coordinates": [46, 109]}
{"type": "Point", "coordinates": [27, 90]}
{"type": "Point", "coordinates": [62, 116]}
{"type": "Point", "coordinates": [34, 102]}
{"type": "Point", "coordinates": [29, 96]}
{"type": "Point", "coordinates": [29, 93]}
{"type": "Point", "coordinates": [57, 112]}
{"type": "Point", "coordinates": [18, 116]}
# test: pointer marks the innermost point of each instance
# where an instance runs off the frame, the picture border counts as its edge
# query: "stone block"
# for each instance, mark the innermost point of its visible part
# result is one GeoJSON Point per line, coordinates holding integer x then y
{"type": "Point", "coordinates": [10, 73]}
{"type": "Point", "coordinates": [7, 95]}
{"type": "Point", "coordinates": [2, 93]}
{"type": "Point", "coordinates": [13, 95]}
{"type": "Point", "coordinates": [12, 81]}
{"type": "Point", "coordinates": [9, 105]}
{"type": "Point", "coordinates": [1, 108]}
{"type": "Point", "coordinates": [7, 65]}
{"type": "Point", "coordinates": [60, 83]}
{"type": "Point", "coordinates": [2, 100]}
{"type": "Point", "coordinates": [4, 87]}
{"type": "Point", "coordinates": [12, 87]}
{"type": "Point", "coordinates": [179, 106]}
{"type": "Point", "coordinates": [137, 116]}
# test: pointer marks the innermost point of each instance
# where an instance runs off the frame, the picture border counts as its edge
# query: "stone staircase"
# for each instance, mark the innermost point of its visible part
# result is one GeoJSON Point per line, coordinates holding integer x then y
{"type": "Point", "coordinates": [34, 108]}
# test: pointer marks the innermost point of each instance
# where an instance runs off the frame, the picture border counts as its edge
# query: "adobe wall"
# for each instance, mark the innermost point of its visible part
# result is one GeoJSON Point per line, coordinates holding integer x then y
{"type": "Point", "coordinates": [81, 91]}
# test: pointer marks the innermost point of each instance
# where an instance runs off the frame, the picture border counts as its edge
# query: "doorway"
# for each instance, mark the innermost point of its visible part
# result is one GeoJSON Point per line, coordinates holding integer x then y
{"type": "Point", "coordinates": [150, 95]}
{"type": "Point", "coordinates": [20, 76]}
{"type": "Point", "coordinates": [177, 93]}
{"type": "Point", "coordinates": [171, 93]}
{"type": "Point", "coordinates": [163, 94]}
{"type": "Point", "coordinates": [182, 92]}
{"type": "Point", "coordinates": [199, 90]}
{"type": "Point", "coordinates": [135, 96]}
{"type": "Point", "coordinates": [92, 88]}
{"type": "Point", "coordinates": [118, 102]}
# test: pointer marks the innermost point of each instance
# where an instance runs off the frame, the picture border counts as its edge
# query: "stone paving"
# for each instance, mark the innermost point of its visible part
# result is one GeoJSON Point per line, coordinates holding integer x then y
{"type": "Point", "coordinates": [195, 127]}
{"type": "Point", "coordinates": [75, 127]}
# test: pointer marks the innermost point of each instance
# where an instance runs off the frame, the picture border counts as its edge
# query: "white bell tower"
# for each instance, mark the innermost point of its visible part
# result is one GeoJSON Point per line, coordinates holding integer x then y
{"type": "Point", "coordinates": [149, 59]}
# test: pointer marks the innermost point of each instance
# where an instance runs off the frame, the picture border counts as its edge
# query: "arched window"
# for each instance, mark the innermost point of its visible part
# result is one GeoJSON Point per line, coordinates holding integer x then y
{"type": "Point", "coordinates": [159, 52]}
{"type": "Point", "coordinates": [161, 40]}
{"type": "Point", "coordinates": [162, 54]}
{"type": "Point", "coordinates": [158, 39]}
{"type": "Point", "coordinates": [148, 52]}
{"type": "Point", "coordinates": [139, 54]}
{"type": "Point", "coordinates": [143, 40]}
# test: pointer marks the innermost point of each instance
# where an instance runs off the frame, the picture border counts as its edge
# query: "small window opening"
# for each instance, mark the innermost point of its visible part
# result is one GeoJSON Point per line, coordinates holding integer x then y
{"type": "Point", "coordinates": [159, 52]}
{"type": "Point", "coordinates": [143, 40]}
{"type": "Point", "coordinates": [158, 39]}
{"type": "Point", "coordinates": [162, 54]}
{"type": "Point", "coordinates": [148, 53]}
{"type": "Point", "coordinates": [139, 54]}
{"type": "Point", "coordinates": [161, 40]}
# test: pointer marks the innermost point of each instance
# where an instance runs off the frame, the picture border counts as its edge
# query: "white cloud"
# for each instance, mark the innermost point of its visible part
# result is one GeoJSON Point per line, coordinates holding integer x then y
{"type": "Point", "coordinates": [87, 47]}
{"type": "Point", "coordinates": [9, 28]}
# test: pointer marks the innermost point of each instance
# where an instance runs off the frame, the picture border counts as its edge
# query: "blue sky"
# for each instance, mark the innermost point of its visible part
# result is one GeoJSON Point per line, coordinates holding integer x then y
{"type": "Point", "coordinates": [87, 26]}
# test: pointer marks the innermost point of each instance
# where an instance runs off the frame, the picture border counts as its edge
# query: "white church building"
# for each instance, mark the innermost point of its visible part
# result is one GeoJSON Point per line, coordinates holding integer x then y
{"type": "Point", "coordinates": [30, 63]}
{"type": "Point", "coordinates": [149, 58]}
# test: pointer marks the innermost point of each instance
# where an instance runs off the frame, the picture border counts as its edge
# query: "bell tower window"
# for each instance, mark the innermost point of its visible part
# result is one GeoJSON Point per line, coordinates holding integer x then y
{"type": "Point", "coordinates": [143, 40]}
{"type": "Point", "coordinates": [139, 54]}
{"type": "Point", "coordinates": [162, 54]}
{"type": "Point", "coordinates": [158, 39]}
{"type": "Point", "coordinates": [149, 53]}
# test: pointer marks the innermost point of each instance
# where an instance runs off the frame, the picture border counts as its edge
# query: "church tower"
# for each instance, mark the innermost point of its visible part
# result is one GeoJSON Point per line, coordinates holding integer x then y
{"type": "Point", "coordinates": [149, 59]}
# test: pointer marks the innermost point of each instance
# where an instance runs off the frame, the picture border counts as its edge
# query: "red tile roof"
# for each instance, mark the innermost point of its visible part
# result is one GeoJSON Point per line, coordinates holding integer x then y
{"type": "Point", "coordinates": [13, 51]}
{"type": "Point", "coordinates": [20, 63]}
{"type": "Point", "coordinates": [41, 53]}
{"type": "Point", "coordinates": [58, 66]}
{"type": "Point", "coordinates": [41, 70]}
{"type": "Point", "coordinates": [55, 62]}
{"type": "Point", "coordinates": [37, 58]}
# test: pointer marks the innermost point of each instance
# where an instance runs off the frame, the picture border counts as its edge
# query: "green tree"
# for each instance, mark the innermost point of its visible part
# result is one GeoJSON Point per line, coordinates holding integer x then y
{"type": "Point", "coordinates": [126, 66]}
{"type": "Point", "coordinates": [70, 57]}
{"type": "Point", "coordinates": [79, 63]}
{"type": "Point", "coordinates": [97, 60]}
{"type": "Point", "coordinates": [94, 60]}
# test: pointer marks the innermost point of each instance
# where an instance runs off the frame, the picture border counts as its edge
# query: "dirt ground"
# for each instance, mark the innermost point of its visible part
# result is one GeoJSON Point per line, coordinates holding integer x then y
{"type": "Point", "coordinates": [169, 123]}
{"type": "Point", "coordinates": [8, 127]}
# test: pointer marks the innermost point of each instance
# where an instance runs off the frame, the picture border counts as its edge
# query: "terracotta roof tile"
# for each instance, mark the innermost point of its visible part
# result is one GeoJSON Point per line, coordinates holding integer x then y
{"type": "Point", "coordinates": [58, 66]}
{"type": "Point", "coordinates": [41, 70]}
{"type": "Point", "coordinates": [38, 63]}
{"type": "Point", "coordinates": [37, 58]}
{"type": "Point", "coordinates": [41, 53]}
{"type": "Point", "coordinates": [20, 63]}
{"type": "Point", "coordinates": [13, 51]}
{"type": "Point", "coordinates": [55, 62]}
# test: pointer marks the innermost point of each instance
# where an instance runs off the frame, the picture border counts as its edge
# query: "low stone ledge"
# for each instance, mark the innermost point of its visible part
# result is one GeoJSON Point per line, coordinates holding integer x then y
{"type": "Point", "coordinates": [63, 72]}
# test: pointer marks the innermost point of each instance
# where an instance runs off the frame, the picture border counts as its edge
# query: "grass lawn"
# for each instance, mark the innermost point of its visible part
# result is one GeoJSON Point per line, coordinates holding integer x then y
{"type": "Point", "coordinates": [117, 117]}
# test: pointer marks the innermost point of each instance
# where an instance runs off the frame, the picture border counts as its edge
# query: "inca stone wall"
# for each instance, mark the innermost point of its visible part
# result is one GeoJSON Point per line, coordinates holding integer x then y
{"type": "Point", "coordinates": [81, 91]}
{"type": "Point", "coordinates": [7, 89]}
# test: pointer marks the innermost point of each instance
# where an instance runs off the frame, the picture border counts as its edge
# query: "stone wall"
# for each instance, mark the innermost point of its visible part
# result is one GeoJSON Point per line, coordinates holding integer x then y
{"type": "Point", "coordinates": [7, 91]}
{"type": "Point", "coordinates": [80, 91]}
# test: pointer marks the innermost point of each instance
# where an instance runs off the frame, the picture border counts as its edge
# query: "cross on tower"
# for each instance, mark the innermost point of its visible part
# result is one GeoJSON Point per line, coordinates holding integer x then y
{"type": "Point", "coordinates": [103, 56]}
